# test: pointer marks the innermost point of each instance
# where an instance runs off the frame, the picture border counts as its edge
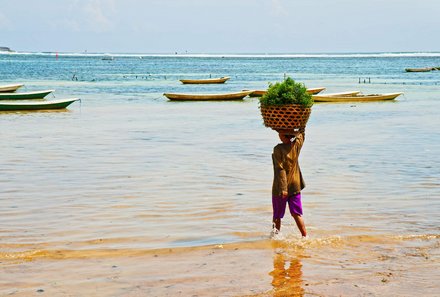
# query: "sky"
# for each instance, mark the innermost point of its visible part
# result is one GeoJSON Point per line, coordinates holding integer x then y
{"type": "Point", "coordinates": [226, 26]}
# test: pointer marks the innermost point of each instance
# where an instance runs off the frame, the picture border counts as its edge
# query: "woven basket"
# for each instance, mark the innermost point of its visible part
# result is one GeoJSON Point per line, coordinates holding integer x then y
{"type": "Point", "coordinates": [285, 117]}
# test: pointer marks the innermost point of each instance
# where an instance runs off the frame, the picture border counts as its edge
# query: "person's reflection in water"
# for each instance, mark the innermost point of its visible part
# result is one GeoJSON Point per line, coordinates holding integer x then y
{"type": "Point", "coordinates": [286, 282]}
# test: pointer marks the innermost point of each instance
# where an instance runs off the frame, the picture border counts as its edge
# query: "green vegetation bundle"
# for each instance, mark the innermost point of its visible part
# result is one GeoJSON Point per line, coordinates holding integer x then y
{"type": "Point", "coordinates": [287, 92]}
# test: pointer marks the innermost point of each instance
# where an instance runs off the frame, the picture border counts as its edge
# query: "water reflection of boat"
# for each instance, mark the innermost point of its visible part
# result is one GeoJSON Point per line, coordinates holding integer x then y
{"type": "Point", "coordinates": [39, 105]}
{"type": "Point", "coordinates": [206, 97]}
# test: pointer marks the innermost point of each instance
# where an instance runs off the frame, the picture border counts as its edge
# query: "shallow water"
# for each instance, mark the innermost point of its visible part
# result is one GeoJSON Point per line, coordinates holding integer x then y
{"type": "Point", "coordinates": [127, 174]}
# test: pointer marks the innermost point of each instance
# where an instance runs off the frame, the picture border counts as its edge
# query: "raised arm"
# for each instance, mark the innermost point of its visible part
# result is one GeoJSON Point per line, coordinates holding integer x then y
{"type": "Point", "coordinates": [299, 140]}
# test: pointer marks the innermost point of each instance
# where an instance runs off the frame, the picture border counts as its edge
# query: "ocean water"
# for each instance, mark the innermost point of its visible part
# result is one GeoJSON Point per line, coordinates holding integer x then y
{"type": "Point", "coordinates": [127, 174]}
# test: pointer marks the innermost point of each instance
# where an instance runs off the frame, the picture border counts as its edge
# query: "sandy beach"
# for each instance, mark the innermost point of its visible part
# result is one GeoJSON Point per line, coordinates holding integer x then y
{"type": "Point", "coordinates": [264, 268]}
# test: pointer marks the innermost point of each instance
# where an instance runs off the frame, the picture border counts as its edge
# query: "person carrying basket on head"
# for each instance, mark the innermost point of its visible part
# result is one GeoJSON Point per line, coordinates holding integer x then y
{"type": "Point", "coordinates": [288, 181]}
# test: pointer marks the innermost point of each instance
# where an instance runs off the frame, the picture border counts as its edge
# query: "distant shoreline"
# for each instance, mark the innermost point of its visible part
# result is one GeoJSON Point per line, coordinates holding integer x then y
{"type": "Point", "coordinates": [233, 55]}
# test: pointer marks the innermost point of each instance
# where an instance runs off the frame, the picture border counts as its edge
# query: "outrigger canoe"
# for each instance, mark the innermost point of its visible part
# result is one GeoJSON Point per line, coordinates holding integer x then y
{"type": "Point", "coordinates": [205, 81]}
{"type": "Point", "coordinates": [27, 95]}
{"type": "Point", "coordinates": [10, 88]}
{"type": "Point", "coordinates": [205, 97]}
{"type": "Point", "coordinates": [37, 105]}
{"type": "Point", "coordinates": [355, 97]}
{"type": "Point", "coordinates": [259, 93]}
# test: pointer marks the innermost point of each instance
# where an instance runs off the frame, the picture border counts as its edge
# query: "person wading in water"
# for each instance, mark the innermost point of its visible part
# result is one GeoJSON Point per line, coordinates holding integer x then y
{"type": "Point", "coordinates": [288, 181]}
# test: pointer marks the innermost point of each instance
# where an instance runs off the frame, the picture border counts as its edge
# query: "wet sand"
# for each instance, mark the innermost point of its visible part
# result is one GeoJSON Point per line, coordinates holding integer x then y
{"type": "Point", "coordinates": [287, 267]}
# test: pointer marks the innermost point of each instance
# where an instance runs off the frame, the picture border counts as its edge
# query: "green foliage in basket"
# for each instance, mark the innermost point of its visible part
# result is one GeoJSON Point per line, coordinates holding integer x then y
{"type": "Point", "coordinates": [287, 92]}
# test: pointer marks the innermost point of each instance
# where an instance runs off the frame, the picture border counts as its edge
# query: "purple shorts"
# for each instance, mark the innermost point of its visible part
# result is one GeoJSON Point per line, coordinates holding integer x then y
{"type": "Point", "coordinates": [279, 205]}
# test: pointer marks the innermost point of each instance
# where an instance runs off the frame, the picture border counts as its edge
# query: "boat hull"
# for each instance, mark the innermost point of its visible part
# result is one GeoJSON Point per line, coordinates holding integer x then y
{"type": "Point", "coordinates": [356, 97]}
{"type": "Point", "coordinates": [25, 96]}
{"type": "Point", "coordinates": [314, 91]}
{"type": "Point", "coordinates": [10, 88]}
{"type": "Point", "coordinates": [426, 69]}
{"type": "Point", "coordinates": [220, 80]}
{"type": "Point", "coordinates": [206, 97]}
{"type": "Point", "coordinates": [260, 93]}
{"type": "Point", "coordinates": [41, 105]}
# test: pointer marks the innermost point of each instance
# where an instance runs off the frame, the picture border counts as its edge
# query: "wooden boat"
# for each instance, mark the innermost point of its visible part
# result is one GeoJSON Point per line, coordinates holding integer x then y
{"type": "Point", "coordinates": [426, 69]}
{"type": "Point", "coordinates": [314, 91]}
{"type": "Point", "coordinates": [204, 97]}
{"type": "Point", "coordinates": [37, 105]}
{"type": "Point", "coordinates": [256, 93]}
{"type": "Point", "coordinates": [219, 80]}
{"type": "Point", "coordinates": [259, 93]}
{"type": "Point", "coordinates": [27, 95]}
{"type": "Point", "coordinates": [10, 88]}
{"type": "Point", "coordinates": [355, 97]}
{"type": "Point", "coordinates": [346, 93]}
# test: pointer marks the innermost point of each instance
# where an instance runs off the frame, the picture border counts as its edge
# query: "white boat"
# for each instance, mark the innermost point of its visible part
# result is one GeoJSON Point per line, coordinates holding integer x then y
{"type": "Point", "coordinates": [10, 88]}
{"type": "Point", "coordinates": [37, 105]}
{"type": "Point", "coordinates": [356, 97]}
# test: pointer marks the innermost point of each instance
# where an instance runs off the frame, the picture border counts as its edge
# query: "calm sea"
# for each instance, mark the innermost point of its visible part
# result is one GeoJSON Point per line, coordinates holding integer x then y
{"type": "Point", "coordinates": [127, 170]}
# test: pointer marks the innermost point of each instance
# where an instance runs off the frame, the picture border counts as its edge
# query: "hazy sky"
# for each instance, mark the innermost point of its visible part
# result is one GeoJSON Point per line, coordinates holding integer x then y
{"type": "Point", "coordinates": [220, 26]}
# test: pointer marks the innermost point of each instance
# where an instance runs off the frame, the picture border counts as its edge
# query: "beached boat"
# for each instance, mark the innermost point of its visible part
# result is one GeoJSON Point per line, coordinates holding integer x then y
{"type": "Point", "coordinates": [219, 80]}
{"type": "Point", "coordinates": [26, 95]}
{"type": "Point", "coordinates": [10, 88]}
{"type": "Point", "coordinates": [259, 93]}
{"type": "Point", "coordinates": [205, 97]}
{"type": "Point", "coordinates": [355, 97]}
{"type": "Point", "coordinates": [425, 69]}
{"type": "Point", "coordinates": [37, 105]}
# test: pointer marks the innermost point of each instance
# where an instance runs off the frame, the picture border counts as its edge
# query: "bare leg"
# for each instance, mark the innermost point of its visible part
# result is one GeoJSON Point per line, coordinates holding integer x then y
{"type": "Point", "coordinates": [277, 224]}
{"type": "Point", "coordinates": [300, 223]}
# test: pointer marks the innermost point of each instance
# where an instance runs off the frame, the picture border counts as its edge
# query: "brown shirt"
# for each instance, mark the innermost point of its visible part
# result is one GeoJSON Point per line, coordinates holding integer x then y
{"type": "Point", "coordinates": [287, 174]}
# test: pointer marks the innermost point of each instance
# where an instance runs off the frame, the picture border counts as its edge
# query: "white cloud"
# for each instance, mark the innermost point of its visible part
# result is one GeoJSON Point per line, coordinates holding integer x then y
{"type": "Point", "coordinates": [89, 16]}
{"type": "Point", "coordinates": [98, 14]}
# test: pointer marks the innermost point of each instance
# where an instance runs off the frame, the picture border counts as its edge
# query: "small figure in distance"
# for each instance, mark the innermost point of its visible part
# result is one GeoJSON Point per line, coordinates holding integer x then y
{"type": "Point", "coordinates": [288, 181]}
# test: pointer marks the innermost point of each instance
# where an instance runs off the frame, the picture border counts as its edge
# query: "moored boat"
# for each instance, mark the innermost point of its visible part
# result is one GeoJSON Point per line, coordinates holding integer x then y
{"type": "Point", "coordinates": [314, 91]}
{"type": "Point", "coordinates": [10, 88]}
{"type": "Point", "coordinates": [355, 97]}
{"type": "Point", "coordinates": [260, 93]}
{"type": "Point", "coordinates": [37, 105]}
{"type": "Point", "coordinates": [219, 80]}
{"type": "Point", "coordinates": [425, 69]}
{"type": "Point", "coordinates": [346, 93]}
{"type": "Point", "coordinates": [206, 97]}
{"type": "Point", "coordinates": [25, 95]}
